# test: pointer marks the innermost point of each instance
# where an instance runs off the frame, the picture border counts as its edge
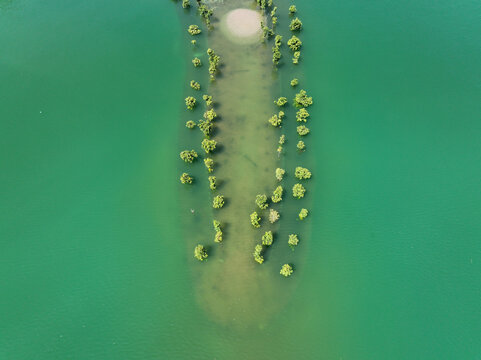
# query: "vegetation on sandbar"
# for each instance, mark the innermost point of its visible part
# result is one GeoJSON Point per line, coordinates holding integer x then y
{"type": "Point", "coordinates": [255, 219]}
{"type": "Point", "coordinates": [302, 173]}
{"type": "Point", "coordinates": [190, 102]}
{"type": "Point", "coordinates": [303, 213]}
{"type": "Point", "coordinates": [286, 270]}
{"type": "Point", "coordinates": [267, 238]}
{"type": "Point", "coordinates": [194, 30]}
{"type": "Point", "coordinates": [213, 63]}
{"type": "Point", "coordinates": [293, 240]}
{"type": "Point", "coordinates": [188, 155]}
{"type": "Point", "coordinates": [258, 254]}
{"type": "Point", "coordinates": [298, 191]}
{"type": "Point", "coordinates": [277, 194]}
{"type": "Point", "coordinates": [207, 99]}
{"type": "Point", "coordinates": [208, 145]}
{"type": "Point", "coordinates": [212, 182]}
{"type": "Point", "coordinates": [276, 119]}
{"type": "Point", "coordinates": [186, 178]}
{"type": "Point", "coordinates": [200, 253]}
{"type": "Point", "coordinates": [218, 202]}
{"type": "Point", "coordinates": [280, 174]}
{"type": "Point", "coordinates": [209, 164]}
{"type": "Point", "coordinates": [261, 201]}
{"type": "Point", "coordinates": [196, 61]}
{"type": "Point", "coordinates": [273, 216]}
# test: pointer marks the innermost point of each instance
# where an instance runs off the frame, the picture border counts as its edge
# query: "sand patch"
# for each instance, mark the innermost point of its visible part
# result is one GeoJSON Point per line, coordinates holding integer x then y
{"type": "Point", "coordinates": [243, 25]}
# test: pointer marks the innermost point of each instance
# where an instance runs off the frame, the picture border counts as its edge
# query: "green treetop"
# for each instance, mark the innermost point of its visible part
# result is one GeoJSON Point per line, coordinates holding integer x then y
{"type": "Point", "coordinates": [196, 61]}
{"type": "Point", "coordinates": [200, 253]}
{"type": "Point", "coordinates": [212, 182]}
{"type": "Point", "coordinates": [190, 102]}
{"type": "Point", "coordinates": [267, 238]}
{"type": "Point", "coordinates": [188, 156]}
{"type": "Point", "coordinates": [208, 145]}
{"type": "Point", "coordinates": [258, 254]}
{"type": "Point", "coordinates": [210, 115]}
{"type": "Point", "coordinates": [207, 99]}
{"type": "Point", "coordinates": [292, 9]}
{"type": "Point", "coordinates": [282, 139]}
{"type": "Point", "coordinates": [190, 124]}
{"type": "Point", "coordinates": [293, 240]}
{"type": "Point", "coordinates": [303, 213]}
{"type": "Point", "coordinates": [295, 59]}
{"type": "Point", "coordinates": [277, 194]}
{"type": "Point", "coordinates": [280, 174]}
{"type": "Point", "coordinates": [276, 120]}
{"type": "Point", "coordinates": [261, 201]}
{"type": "Point", "coordinates": [209, 164]}
{"type": "Point", "coordinates": [298, 191]}
{"type": "Point", "coordinates": [300, 145]}
{"type": "Point", "coordinates": [218, 236]}
{"type": "Point", "coordinates": [294, 82]}
{"type": "Point", "coordinates": [206, 126]}
{"type": "Point", "coordinates": [185, 4]}
{"type": "Point", "coordinates": [302, 115]}
{"type": "Point", "coordinates": [273, 216]}
{"type": "Point", "coordinates": [302, 173]}
{"type": "Point", "coordinates": [296, 24]}
{"type": "Point", "coordinates": [218, 202]}
{"type": "Point", "coordinates": [194, 85]}
{"type": "Point", "coordinates": [194, 30]}
{"type": "Point", "coordinates": [255, 219]}
{"type": "Point", "coordinates": [302, 100]}
{"type": "Point", "coordinates": [216, 224]}
{"type": "Point", "coordinates": [281, 101]}
{"type": "Point", "coordinates": [286, 270]}
{"type": "Point", "coordinates": [186, 178]}
{"type": "Point", "coordinates": [294, 43]}
{"type": "Point", "coordinates": [303, 130]}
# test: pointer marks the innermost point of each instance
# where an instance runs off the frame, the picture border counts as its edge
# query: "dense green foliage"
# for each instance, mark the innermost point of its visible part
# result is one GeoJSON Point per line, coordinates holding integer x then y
{"type": "Point", "coordinates": [294, 43]}
{"type": "Point", "coordinates": [216, 224]}
{"type": "Point", "coordinates": [293, 240]}
{"type": "Point", "coordinates": [200, 253]}
{"type": "Point", "coordinates": [205, 12]}
{"type": "Point", "coordinates": [277, 194]}
{"type": "Point", "coordinates": [276, 119]}
{"type": "Point", "coordinates": [255, 219]}
{"type": "Point", "coordinates": [303, 130]}
{"type": "Point", "coordinates": [194, 85]}
{"type": "Point", "coordinates": [302, 173]}
{"type": "Point", "coordinates": [209, 164]}
{"type": "Point", "coordinates": [196, 61]}
{"type": "Point", "coordinates": [218, 236]}
{"type": "Point", "coordinates": [298, 191]}
{"type": "Point", "coordinates": [267, 238]}
{"type": "Point", "coordinates": [302, 115]}
{"type": "Point", "coordinates": [188, 156]}
{"type": "Point", "coordinates": [280, 174]}
{"type": "Point", "coordinates": [261, 201]}
{"type": "Point", "coordinates": [286, 270]}
{"type": "Point", "coordinates": [295, 59]}
{"type": "Point", "coordinates": [281, 101]}
{"type": "Point", "coordinates": [185, 4]}
{"type": "Point", "coordinates": [206, 126]}
{"type": "Point", "coordinates": [208, 145]}
{"type": "Point", "coordinates": [294, 82]}
{"type": "Point", "coordinates": [218, 202]}
{"type": "Point", "coordinates": [292, 9]}
{"type": "Point", "coordinates": [213, 63]}
{"type": "Point", "coordinates": [186, 178]}
{"type": "Point", "coordinates": [303, 213]}
{"type": "Point", "coordinates": [194, 30]}
{"type": "Point", "coordinates": [190, 124]}
{"type": "Point", "coordinates": [212, 182]}
{"type": "Point", "coordinates": [282, 139]}
{"type": "Point", "coordinates": [266, 31]}
{"type": "Point", "coordinates": [295, 24]}
{"type": "Point", "coordinates": [273, 216]}
{"type": "Point", "coordinates": [190, 102]}
{"type": "Point", "coordinates": [301, 145]}
{"type": "Point", "coordinates": [258, 254]}
{"type": "Point", "coordinates": [276, 53]}
{"type": "Point", "coordinates": [210, 115]}
{"type": "Point", "coordinates": [302, 100]}
{"type": "Point", "coordinates": [208, 100]}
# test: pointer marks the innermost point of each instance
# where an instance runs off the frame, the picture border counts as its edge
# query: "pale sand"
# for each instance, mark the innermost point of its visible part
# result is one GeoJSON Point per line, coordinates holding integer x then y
{"type": "Point", "coordinates": [244, 23]}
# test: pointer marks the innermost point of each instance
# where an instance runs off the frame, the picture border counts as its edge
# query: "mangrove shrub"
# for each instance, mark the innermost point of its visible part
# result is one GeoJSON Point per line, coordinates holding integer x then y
{"type": "Point", "coordinates": [273, 216]}
{"type": "Point", "coordinates": [293, 240]}
{"type": "Point", "coordinates": [281, 101]}
{"type": "Point", "coordinates": [302, 173]}
{"type": "Point", "coordinates": [276, 120]}
{"type": "Point", "coordinates": [292, 9]}
{"type": "Point", "coordinates": [209, 164]}
{"type": "Point", "coordinates": [188, 156]}
{"type": "Point", "coordinates": [298, 191]}
{"type": "Point", "coordinates": [302, 115]}
{"type": "Point", "coordinates": [218, 202]}
{"type": "Point", "coordinates": [302, 130]}
{"type": "Point", "coordinates": [294, 43]}
{"type": "Point", "coordinates": [280, 174]}
{"type": "Point", "coordinates": [258, 254]}
{"type": "Point", "coordinates": [186, 178]}
{"type": "Point", "coordinates": [301, 145]}
{"type": "Point", "coordinates": [200, 253]}
{"type": "Point", "coordinates": [261, 201]}
{"type": "Point", "coordinates": [302, 100]}
{"type": "Point", "coordinates": [196, 61]}
{"type": "Point", "coordinates": [294, 82]}
{"type": "Point", "coordinates": [255, 219]}
{"type": "Point", "coordinates": [206, 126]}
{"type": "Point", "coordinates": [212, 182]}
{"type": "Point", "coordinates": [267, 238]}
{"type": "Point", "coordinates": [194, 30]}
{"type": "Point", "coordinates": [277, 194]}
{"type": "Point", "coordinates": [190, 102]}
{"type": "Point", "coordinates": [208, 145]}
{"type": "Point", "coordinates": [295, 24]}
{"type": "Point", "coordinates": [286, 270]}
{"type": "Point", "coordinates": [303, 213]}
{"type": "Point", "coordinates": [207, 99]}
{"type": "Point", "coordinates": [190, 124]}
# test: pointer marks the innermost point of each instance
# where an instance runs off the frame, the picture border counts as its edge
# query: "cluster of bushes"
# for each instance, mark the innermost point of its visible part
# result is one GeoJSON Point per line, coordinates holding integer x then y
{"type": "Point", "coordinates": [276, 119]}
{"type": "Point", "coordinates": [293, 240]}
{"type": "Point", "coordinates": [196, 61]}
{"type": "Point", "coordinates": [286, 270]}
{"type": "Point", "coordinates": [303, 213]}
{"type": "Point", "coordinates": [281, 101]}
{"type": "Point", "coordinates": [258, 254]}
{"type": "Point", "coordinates": [267, 238]}
{"type": "Point", "coordinates": [190, 124]}
{"type": "Point", "coordinates": [209, 164]}
{"type": "Point", "coordinates": [200, 253]}
{"type": "Point", "coordinates": [280, 174]}
{"type": "Point", "coordinates": [190, 102]}
{"type": "Point", "coordinates": [194, 30]}
{"type": "Point", "coordinates": [218, 231]}
{"type": "Point", "coordinates": [302, 173]}
{"type": "Point", "coordinates": [298, 191]}
{"type": "Point", "coordinates": [194, 85]}
{"type": "Point", "coordinates": [186, 178]}
{"type": "Point", "coordinates": [208, 145]}
{"type": "Point", "coordinates": [300, 145]}
{"type": "Point", "coordinates": [212, 182]}
{"type": "Point", "coordinates": [213, 63]}
{"type": "Point", "coordinates": [303, 130]}
{"type": "Point", "coordinates": [188, 155]}
{"type": "Point", "coordinates": [295, 24]}
{"type": "Point", "coordinates": [255, 220]}
{"type": "Point", "coordinates": [205, 12]}
{"type": "Point", "coordinates": [273, 216]}
{"type": "Point", "coordinates": [276, 52]}
{"type": "Point", "coordinates": [277, 194]}
{"type": "Point", "coordinates": [302, 115]}
{"type": "Point", "coordinates": [218, 202]}
{"type": "Point", "coordinates": [261, 201]}
{"type": "Point", "coordinates": [302, 100]}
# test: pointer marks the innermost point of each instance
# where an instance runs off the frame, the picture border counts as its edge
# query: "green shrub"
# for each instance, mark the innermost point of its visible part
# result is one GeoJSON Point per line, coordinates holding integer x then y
{"type": "Point", "coordinates": [293, 240]}
{"type": "Point", "coordinates": [302, 100]}
{"type": "Point", "coordinates": [303, 130]}
{"type": "Point", "coordinates": [200, 253]}
{"type": "Point", "coordinates": [298, 191]}
{"type": "Point", "coordinates": [196, 61]}
{"type": "Point", "coordinates": [280, 174]}
{"type": "Point", "coordinates": [282, 139]}
{"type": "Point", "coordinates": [206, 127]}
{"type": "Point", "coordinates": [190, 124]}
{"type": "Point", "coordinates": [194, 85]}
{"type": "Point", "coordinates": [218, 236]}
{"type": "Point", "coordinates": [261, 201]}
{"type": "Point", "coordinates": [267, 238]}
{"type": "Point", "coordinates": [194, 30]}
{"type": "Point", "coordinates": [190, 102]}
{"type": "Point", "coordinates": [258, 254]}
{"type": "Point", "coordinates": [294, 43]}
{"type": "Point", "coordinates": [295, 24]}
{"type": "Point", "coordinates": [276, 120]}
{"type": "Point", "coordinates": [188, 156]}
{"type": "Point", "coordinates": [212, 182]}
{"type": "Point", "coordinates": [273, 216]}
{"type": "Point", "coordinates": [186, 178]}
{"type": "Point", "coordinates": [300, 145]}
{"type": "Point", "coordinates": [208, 145]}
{"type": "Point", "coordinates": [303, 214]}
{"type": "Point", "coordinates": [216, 224]}
{"type": "Point", "coordinates": [302, 115]}
{"type": "Point", "coordinates": [292, 9]}
{"type": "Point", "coordinates": [295, 59]}
{"type": "Point", "coordinates": [294, 82]}
{"type": "Point", "coordinates": [210, 115]}
{"type": "Point", "coordinates": [286, 270]}
{"type": "Point", "coordinates": [281, 101]}
{"type": "Point", "coordinates": [277, 194]}
{"type": "Point", "coordinates": [218, 202]}
{"type": "Point", "coordinates": [209, 164]}
{"type": "Point", "coordinates": [255, 219]}
{"type": "Point", "coordinates": [207, 99]}
{"type": "Point", "coordinates": [185, 4]}
{"type": "Point", "coordinates": [302, 173]}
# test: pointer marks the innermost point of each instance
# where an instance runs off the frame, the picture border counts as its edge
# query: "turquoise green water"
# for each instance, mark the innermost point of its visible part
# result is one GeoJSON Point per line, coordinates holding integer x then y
{"type": "Point", "coordinates": [93, 263]}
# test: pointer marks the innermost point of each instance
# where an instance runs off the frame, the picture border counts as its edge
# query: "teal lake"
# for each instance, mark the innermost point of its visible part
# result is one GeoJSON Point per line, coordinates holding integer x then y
{"type": "Point", "coordinates": [96, 233]}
